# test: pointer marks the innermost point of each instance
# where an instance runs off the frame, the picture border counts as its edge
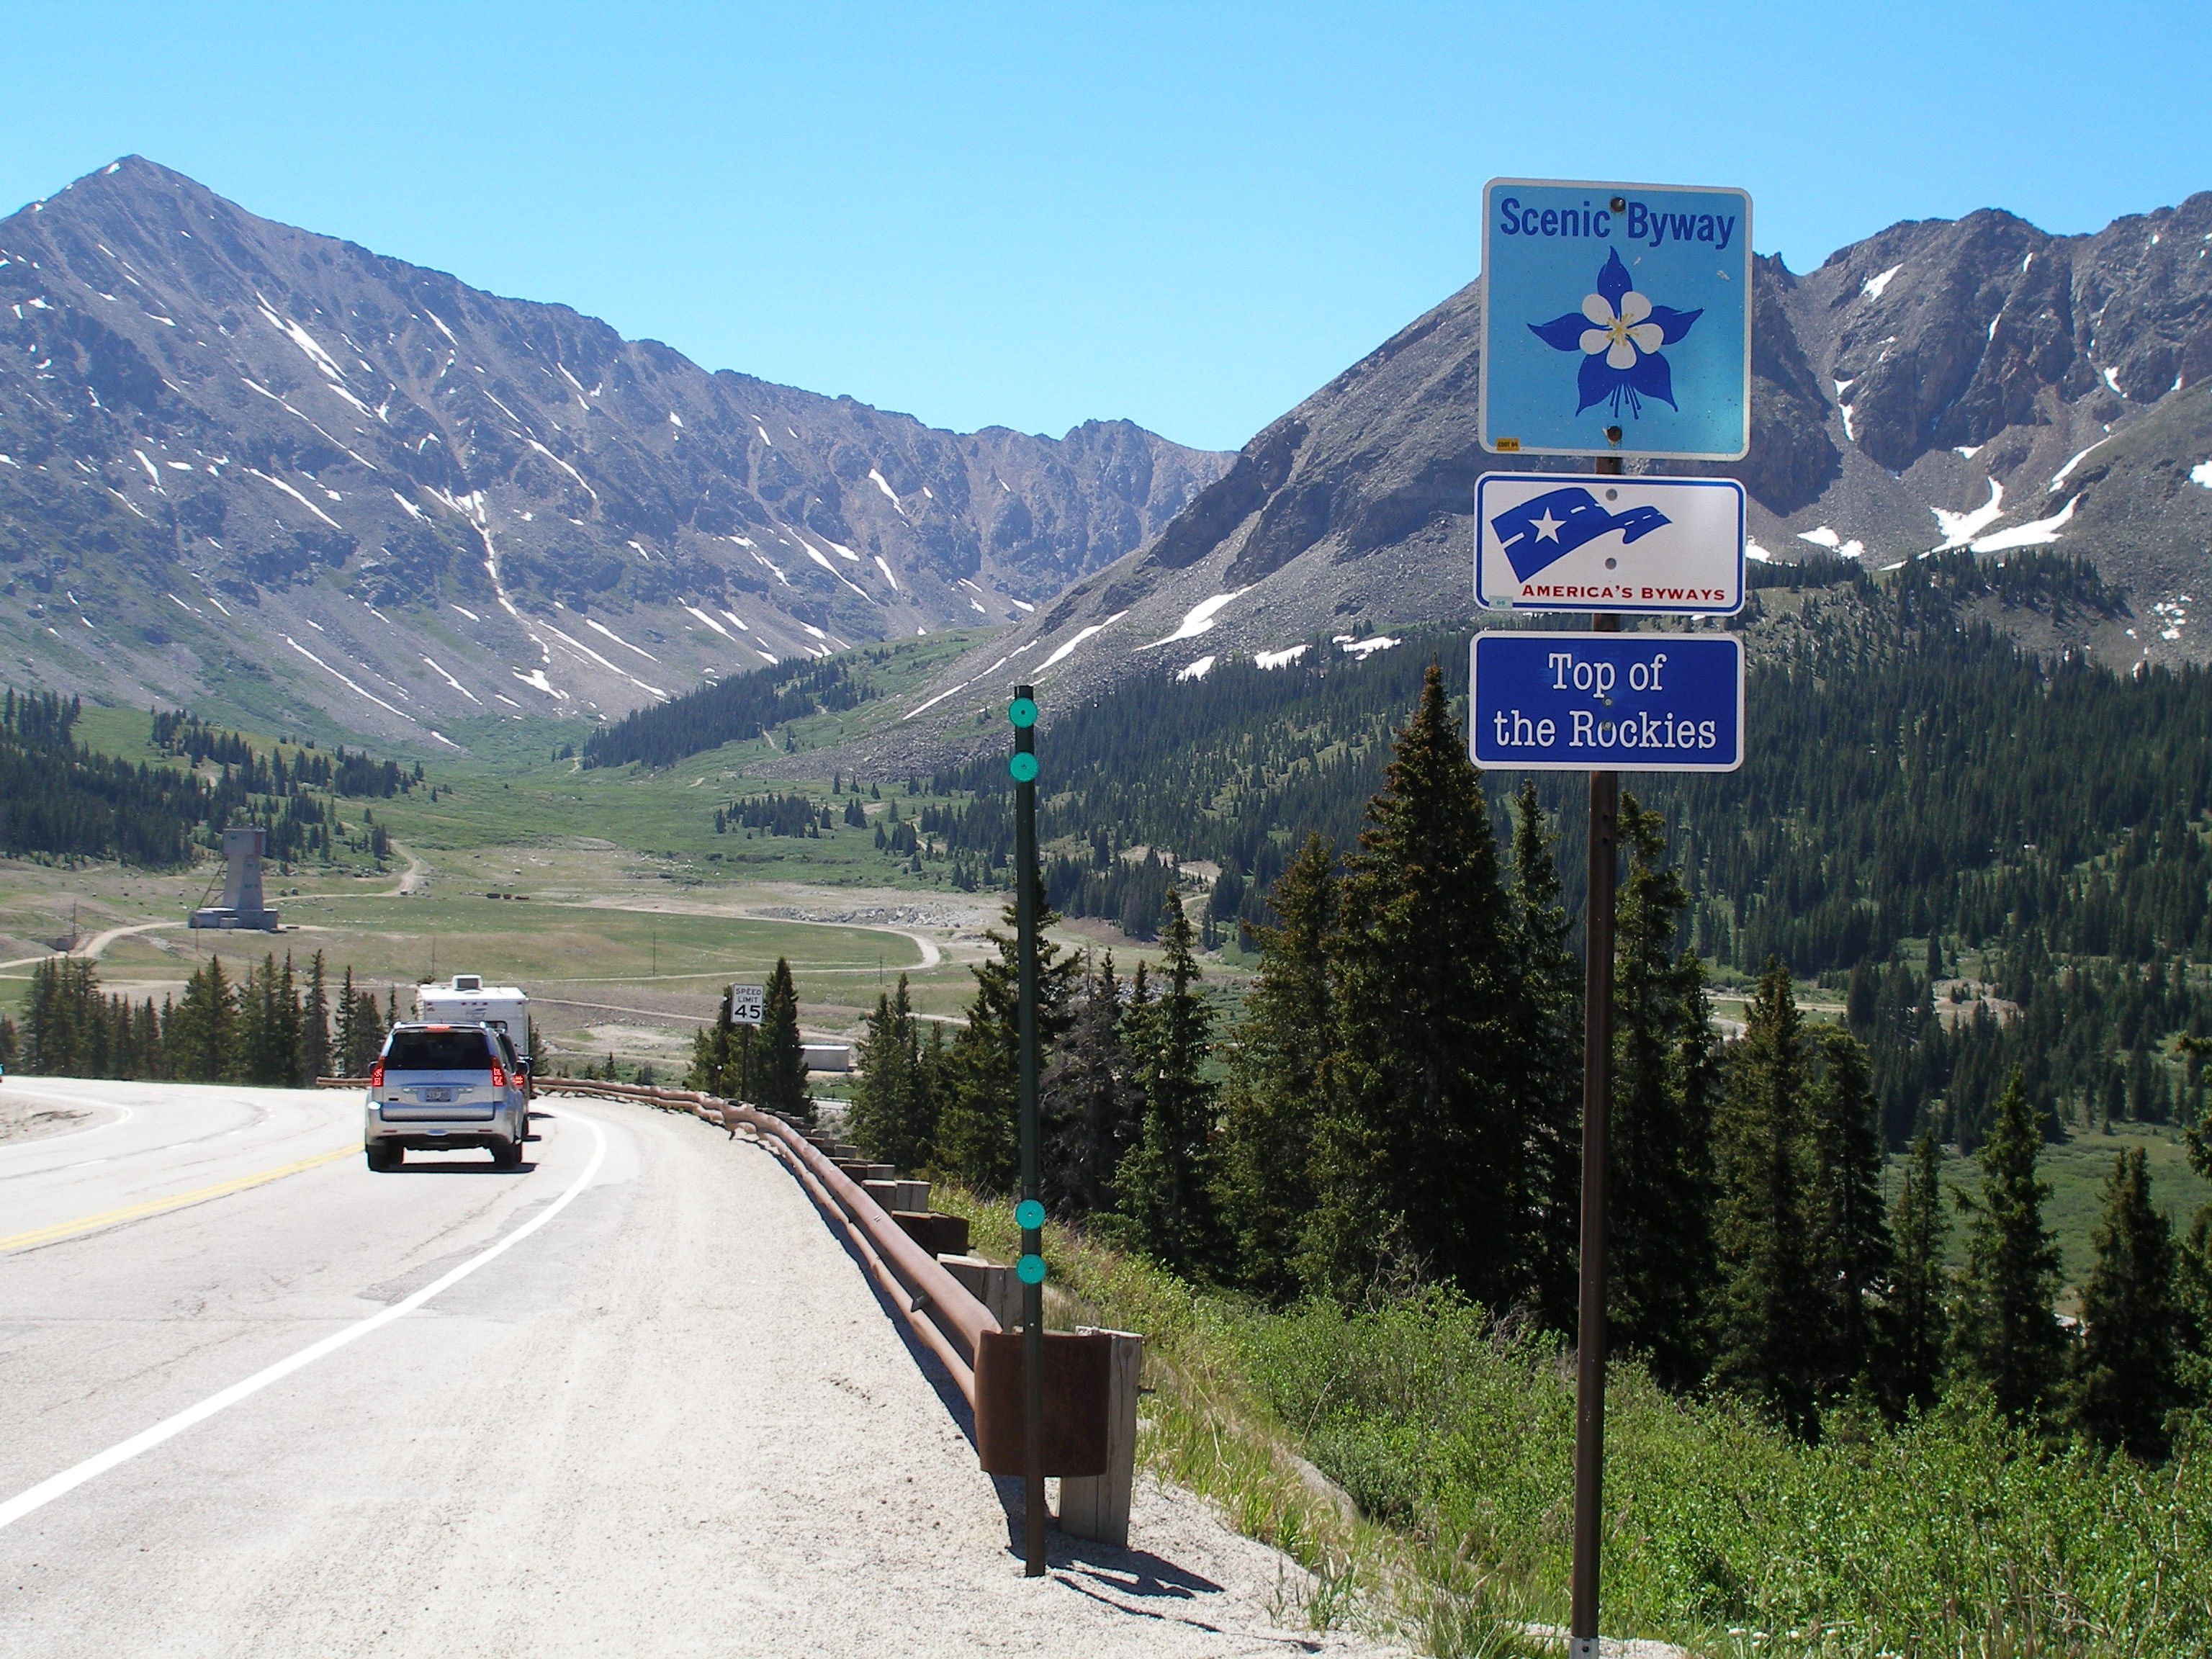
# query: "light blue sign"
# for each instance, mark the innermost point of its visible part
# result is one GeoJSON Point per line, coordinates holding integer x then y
{"type": "Point", "coordinates": [1606, 702]}
{"type": "Point", "coordinates": [1616, 319]}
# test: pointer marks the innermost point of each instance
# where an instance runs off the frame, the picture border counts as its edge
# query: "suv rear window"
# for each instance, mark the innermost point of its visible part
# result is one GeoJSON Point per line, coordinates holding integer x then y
{"type": "Point", "coordinates": [438, 1051]}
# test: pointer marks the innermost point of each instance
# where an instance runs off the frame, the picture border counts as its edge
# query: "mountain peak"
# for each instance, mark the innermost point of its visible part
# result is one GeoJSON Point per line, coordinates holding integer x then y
{"type": "Point", "coordinates": [258, 469]}
{"type": "Point", "coordinates": [1975, 382]}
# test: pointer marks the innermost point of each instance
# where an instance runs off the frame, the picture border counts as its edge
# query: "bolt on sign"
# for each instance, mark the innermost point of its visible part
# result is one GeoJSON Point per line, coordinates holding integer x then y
{"type": "Point", "coordinates": [1616, 319]}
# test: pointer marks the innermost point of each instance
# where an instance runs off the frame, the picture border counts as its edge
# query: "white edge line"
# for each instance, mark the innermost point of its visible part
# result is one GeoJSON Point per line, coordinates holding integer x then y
{"type": "Point", "coordinates": [70, 1479]}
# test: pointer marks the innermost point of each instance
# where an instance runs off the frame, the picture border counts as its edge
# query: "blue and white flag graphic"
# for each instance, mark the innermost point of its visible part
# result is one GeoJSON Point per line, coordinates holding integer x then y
{"type": "Point", "coordinates": [1539, 531]}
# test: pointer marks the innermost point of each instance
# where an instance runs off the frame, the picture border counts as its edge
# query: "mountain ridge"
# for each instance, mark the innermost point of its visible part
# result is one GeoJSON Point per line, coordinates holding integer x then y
{"type": "Point", "coordinates": [280, 476]}
{"type": "Point", "coordinates": [1973, 383]}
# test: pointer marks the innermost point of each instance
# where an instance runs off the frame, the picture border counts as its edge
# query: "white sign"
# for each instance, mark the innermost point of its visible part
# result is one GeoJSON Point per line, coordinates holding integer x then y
{"type": "Point", "coordinates": [748, 1004]}
{"type": "Point", "coordinates": [1559, 541]}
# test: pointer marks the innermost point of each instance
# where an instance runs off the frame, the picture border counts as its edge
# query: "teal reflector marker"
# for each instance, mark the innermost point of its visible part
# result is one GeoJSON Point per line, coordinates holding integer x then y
{"type": "Point", "coordinates": [1029, 1270]}
{"type": "Point", "coordinates": [1022, 711]}
{"type": "Point", "coordinates": [1024, 769]}
{"type": "Point", "coordinates": [1029, 1213]}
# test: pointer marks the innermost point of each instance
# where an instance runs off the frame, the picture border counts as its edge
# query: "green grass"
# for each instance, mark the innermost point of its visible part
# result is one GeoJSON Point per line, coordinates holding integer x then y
{"type": "Point", "coordinates": [1952, 1534]}
{"type": "Point", "coordinates": [2075, 1169]}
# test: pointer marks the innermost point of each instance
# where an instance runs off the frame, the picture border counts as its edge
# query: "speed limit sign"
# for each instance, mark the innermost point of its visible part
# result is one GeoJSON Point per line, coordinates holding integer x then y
{"type": "Point", "coordinates": [747, 1004]}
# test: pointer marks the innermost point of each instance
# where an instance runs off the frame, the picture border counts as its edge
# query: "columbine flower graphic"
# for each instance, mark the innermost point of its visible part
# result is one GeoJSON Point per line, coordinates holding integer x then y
{"type": "Point", "coordinates": [1619, 332]}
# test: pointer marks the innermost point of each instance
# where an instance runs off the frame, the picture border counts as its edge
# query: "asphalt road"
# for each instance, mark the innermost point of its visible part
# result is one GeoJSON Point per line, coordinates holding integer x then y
{"type": "Point", "coordinates": [634, 1398]}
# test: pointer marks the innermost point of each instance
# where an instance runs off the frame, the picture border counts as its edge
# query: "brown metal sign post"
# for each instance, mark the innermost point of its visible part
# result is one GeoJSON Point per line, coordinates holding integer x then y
{"type": "Point", "coordinates": [1597, 1121]}
{"type": "Point", "coordinates": [1022, 711]}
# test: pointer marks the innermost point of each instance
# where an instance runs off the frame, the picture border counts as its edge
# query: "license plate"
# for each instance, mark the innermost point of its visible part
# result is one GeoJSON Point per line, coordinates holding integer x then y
{"type": "Point", "coordinates": [437, 1094]}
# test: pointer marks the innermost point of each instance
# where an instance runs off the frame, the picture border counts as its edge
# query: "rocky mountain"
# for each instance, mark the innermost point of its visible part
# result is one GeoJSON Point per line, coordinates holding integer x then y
{"type": "Point", "coordinates": [1974, 383]}
{"type": "Point", "coordinates": [281, 478]}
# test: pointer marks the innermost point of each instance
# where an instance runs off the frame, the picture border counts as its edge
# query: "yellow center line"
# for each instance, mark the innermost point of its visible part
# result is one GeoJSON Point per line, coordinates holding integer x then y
{"type": "Point", "coordinates": [155, 1206]}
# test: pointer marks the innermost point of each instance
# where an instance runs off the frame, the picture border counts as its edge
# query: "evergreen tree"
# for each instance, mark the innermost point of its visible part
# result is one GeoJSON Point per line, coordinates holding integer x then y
{"type": "Point", "coordinates": [1421, 1149]}
{"type": "Point", "coordinates": [345, 1041]}
{"type": "Point", "coordinates": [204, 1027]}
{"type": "Point", "coordinates": [1164, 1185]}
{"type": "Point", "coordinates": [1660, 1263]}
{"type": "Point", "coordinates": [1550, 980]}
{"type": "Point", "coordinates": [368, 1034]}
{"type": "Point", "coordinates": [978, 1122]}
{"type": "Point", "coordinates": [1087, 1097]}
{"type": "Point", "coordinates": [8, 1043]}
{"type": "Point", "coordinates": [268, 1026]}
{"type": "Point", "coordinates": [713, 1055]}
{"type": "Point", "coordinates": [1850, 1241]}
{"type": "Point", "coordinates": [890, 1118]}
{"type": "Point", "coordinates": [2125, 1380]}
{"type": "Point", "coordinates": [781, 1082]}
{"type": "Point", "coordinates": [1914, 1321]}
{"type": "Point", "coordinates": [2004, 1332]}
{"type": "Point", "coordinates": [1275, 1077]}
{"type": "Point", "coordinates": [315, 1024]}
{"type": "Point", "coordinates": [1768, 1343]}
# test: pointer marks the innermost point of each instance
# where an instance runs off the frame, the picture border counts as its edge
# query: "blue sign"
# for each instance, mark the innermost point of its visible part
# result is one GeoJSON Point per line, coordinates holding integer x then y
{"type": "Point", "coordinates": [1606, 702]}
{"type": "Point", "coordinates": [1616, 319]}
{"type": "Point", "coordinates": [1557, 541]}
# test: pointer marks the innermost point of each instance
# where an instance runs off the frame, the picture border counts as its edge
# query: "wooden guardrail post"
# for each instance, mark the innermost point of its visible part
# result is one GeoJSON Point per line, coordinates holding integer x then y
{"type": "Point", "coordinates": [1098, 1506]}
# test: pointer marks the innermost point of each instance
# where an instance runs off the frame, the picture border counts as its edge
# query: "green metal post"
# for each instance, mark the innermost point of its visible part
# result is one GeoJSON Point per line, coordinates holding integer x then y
{"type": "Point", "coordinates": [1022, 711]}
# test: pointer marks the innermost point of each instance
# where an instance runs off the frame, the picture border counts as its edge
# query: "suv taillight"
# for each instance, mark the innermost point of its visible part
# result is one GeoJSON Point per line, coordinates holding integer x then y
{"type": "Point", "coordinates": [376, 1075]}
{"type": "Point", "coordinates": [498, 1075]}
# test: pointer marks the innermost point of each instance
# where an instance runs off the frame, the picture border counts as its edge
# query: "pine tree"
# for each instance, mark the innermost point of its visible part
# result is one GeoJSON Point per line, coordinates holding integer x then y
{"type": "Point", "coordinates": [347, 1042]}
{"type": "Point", "coordinates": [1549, 979]}
{"type": "Point", "coordinates": [1421, 1152]}
{"type": "Point", "coordinates": [978, 1123]}
{"type": "Point", "coordinates": [1086, 1100]}
{"type": "Point", "coordinates": [2125, 1377]}
{"type": "Point", "coordinates": [714, 1054]}
{"type": "Point", "coordinates": [1275, 1077]}
{"type": "Point", "coordinates": [1916, 1323]}
{"type": "Point", "coordinates": [1768, 1346]}
{"type": "Point", "coordinates": [2004, 1332]}
{"type": "Point", "coordinates": [1850, 1242]}
{"type": "Point", "coordinates": [1164, 1185]}
{"type": "Point", "coordinates": [890, 1118]}
{"type": "Point", "coordinates": [781, 1082]}
{"type": "Point", "coordinates": [1660, 1263]}
{"type": "Point", "coordinates": [202, 1041]}
{"type": "Point", "coordinates": [369, 1031]}
{"type": "Point", "coordinates": [315, 1024]}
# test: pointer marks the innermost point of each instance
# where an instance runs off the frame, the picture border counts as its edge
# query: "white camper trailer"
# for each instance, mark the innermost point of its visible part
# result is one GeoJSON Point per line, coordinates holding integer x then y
{"type": "Point", "coordinates": [469, 1002]}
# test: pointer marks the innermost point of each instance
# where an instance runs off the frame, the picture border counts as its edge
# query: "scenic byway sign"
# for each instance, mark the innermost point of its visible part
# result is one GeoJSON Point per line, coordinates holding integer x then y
{"type": "Point", "coordinates": [1614, 703]}
{"type": "Point", "coordinates": [1556, 541]}
{"type": "Point", "coordinates": [1616, 319]}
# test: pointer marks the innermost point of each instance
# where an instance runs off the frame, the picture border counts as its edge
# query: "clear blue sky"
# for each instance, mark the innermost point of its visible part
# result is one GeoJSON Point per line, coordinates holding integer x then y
{"type": "Point", "coordinates": [1190, 215]}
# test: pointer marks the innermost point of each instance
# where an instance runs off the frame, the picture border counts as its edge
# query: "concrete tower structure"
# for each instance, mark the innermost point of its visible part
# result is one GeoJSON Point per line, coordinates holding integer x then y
{"type": "Point", "coordinates": [241, 906]}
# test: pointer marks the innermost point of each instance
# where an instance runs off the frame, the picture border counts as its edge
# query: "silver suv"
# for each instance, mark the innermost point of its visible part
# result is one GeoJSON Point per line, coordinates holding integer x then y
{"type": "Point", "coordinates": [436, 1086]}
